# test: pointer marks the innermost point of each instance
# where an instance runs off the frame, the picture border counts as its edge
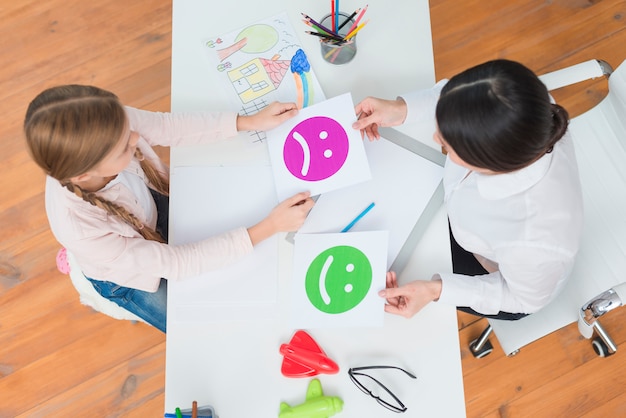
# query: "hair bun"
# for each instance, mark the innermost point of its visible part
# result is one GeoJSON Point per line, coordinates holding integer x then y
{"type": "Point", "coordinates": [560, 122]}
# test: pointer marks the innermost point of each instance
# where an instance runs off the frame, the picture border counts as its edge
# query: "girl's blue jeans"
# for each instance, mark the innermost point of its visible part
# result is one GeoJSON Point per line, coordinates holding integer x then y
{"type": "Point", "coordinates": [151, 307]}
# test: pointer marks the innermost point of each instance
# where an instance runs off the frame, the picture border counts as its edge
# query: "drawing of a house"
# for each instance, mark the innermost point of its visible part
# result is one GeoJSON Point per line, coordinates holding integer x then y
{"type": "Point", "coordinates": [258, 77]}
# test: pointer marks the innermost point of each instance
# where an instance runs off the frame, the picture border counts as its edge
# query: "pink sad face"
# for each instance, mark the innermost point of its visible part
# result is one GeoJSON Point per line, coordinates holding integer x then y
{"type": "Point", "coordinates": [316, 149]}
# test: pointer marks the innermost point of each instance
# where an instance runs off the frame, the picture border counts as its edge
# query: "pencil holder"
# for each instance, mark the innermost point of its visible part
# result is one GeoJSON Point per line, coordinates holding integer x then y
{"type": "Point", "coordinates": [338, 52]}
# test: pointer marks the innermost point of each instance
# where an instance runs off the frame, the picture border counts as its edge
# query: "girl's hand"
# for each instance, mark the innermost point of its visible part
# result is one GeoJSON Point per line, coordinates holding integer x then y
{"type": "Point", "coordinates": [288, 216]}
{"type": "Point", "coordinates": [267, 118]}
{"type": "Point", "coordinates": [373, 112]}
{"type": "Point", "coordinates": [409, 299]}
{"type": "Point", "coordinates": [291, 213]}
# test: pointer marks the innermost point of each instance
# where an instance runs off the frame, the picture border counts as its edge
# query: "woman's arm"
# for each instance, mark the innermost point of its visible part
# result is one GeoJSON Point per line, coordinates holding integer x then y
{"type": "Point", "coordinates": [374, 113]}
{"type": "Point", "coordinates": [409, 299]}
{"type": "Point", "coordinates": [409, 108]}
{"type": "Point", "coordinates": [527, 280]}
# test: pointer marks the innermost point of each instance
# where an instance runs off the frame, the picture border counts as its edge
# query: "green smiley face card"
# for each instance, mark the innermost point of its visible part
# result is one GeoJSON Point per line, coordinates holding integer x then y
{"type": "Point", "coordinates": [337, 278]}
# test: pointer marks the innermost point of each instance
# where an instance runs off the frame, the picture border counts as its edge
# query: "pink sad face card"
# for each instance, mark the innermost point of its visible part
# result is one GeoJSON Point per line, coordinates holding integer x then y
{"type": "Point", "coordinates": [318, 150]}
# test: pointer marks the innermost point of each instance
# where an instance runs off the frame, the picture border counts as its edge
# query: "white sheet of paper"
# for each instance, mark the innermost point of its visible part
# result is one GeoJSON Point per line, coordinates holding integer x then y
{"type": "Point", "coordinates": [401, 186]}
{"type": "Point", "coordinates": [337, 278]}
{"type": "Point", "coordinates": [318, 150]}
{"type": "Point", "coordinates": [206, 205]}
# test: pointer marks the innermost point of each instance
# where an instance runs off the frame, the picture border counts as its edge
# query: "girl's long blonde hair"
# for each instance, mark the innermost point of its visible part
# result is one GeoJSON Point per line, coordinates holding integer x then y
{"type": "Point", "coordinates": [70, 129]}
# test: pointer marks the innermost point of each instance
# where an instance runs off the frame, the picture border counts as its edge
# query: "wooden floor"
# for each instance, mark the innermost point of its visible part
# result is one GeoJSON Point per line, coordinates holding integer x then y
{"type": "Point", "coordinates": [58, 358]}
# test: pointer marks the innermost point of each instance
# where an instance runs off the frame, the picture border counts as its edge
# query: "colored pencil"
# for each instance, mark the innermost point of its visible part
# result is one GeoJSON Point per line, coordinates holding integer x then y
{"type": "Point", "coordinates": [317, 28]}
{"type": "Point", "coordinates": [359, 216]}
{"type": "Point", "coordinates": [348, 19]}
{"type": "Point", "coordinates": [322, 27]}
{"type": "Point", "coordinates": [325, 36]}
{"type": "Point", "coordinates": [351, 34]}
{"type": "Point", "coordinates": [337, 16]}
{"type": "Point", "coordinates": [358, 19]}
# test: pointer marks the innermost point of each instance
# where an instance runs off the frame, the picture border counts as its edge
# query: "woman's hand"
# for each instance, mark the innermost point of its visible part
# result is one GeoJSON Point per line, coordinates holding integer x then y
{"type": "Point", "coordinates": [288, 216]}
{"type": "Point", "coordinates": [373, 112]}
{"type": "Point", "coordinates": [409, 299]}
{"type": "Point", "coordinates": [267, 118]}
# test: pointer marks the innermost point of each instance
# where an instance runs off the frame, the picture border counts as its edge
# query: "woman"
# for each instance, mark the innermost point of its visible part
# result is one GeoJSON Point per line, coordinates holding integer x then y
{"type": "Point", "coordinates": [512, 190]}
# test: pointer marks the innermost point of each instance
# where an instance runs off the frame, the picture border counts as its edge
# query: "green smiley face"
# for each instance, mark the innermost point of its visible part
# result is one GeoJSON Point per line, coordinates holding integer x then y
{"type": "Point", "coordinates": [338, 279]}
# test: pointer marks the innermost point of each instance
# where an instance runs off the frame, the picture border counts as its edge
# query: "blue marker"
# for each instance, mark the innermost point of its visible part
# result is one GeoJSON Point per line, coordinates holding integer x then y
{"type": "Point", "coordinates": [359, 216]}
{"type": "Point", "coordinates": [203, 412]}
{"type": "Point", "coordinates": [188, 415]}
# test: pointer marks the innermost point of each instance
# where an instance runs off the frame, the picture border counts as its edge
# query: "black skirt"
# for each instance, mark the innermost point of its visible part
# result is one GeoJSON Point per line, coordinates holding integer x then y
{"type": "Point", "coordinates": [464, 262]}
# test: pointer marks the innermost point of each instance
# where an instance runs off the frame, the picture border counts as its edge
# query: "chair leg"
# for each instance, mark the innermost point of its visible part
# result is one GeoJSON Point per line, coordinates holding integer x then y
{"type": "Point", "coordinates": [481, 346]}
{"type": "Point", "coordinates": [603, 344]}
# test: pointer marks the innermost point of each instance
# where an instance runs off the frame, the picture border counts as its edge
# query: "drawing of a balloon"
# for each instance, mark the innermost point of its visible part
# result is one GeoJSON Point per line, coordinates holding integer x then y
{"type": "Point", "coordinates": [254, 39]}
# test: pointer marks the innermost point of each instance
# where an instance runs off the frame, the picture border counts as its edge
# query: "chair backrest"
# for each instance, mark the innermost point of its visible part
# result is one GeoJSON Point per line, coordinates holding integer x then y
{"type": "Point", "coordinates": [91, 298]}
{"type": "Point", "coordinates": [600, 140]}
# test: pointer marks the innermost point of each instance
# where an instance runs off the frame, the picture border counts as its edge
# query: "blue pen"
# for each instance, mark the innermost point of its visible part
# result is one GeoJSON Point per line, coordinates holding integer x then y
{"type": "Point", "coordinates": [359, 216]}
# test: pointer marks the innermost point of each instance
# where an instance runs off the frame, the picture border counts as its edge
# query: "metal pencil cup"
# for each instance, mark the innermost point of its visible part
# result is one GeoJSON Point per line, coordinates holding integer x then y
{"type": "Point", "coordinates": [335, 52]}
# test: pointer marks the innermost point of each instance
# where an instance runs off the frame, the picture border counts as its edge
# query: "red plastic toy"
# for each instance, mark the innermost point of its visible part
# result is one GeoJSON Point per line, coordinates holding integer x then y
{"type": "Point", "coordinates": [303, 357]}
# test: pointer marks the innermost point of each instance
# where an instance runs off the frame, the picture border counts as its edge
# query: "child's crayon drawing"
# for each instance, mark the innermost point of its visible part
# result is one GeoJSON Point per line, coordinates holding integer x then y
{"type": "Point", "coordinates": [256, 60]}
{"type": "Point", "coordinates": [301, 70]}
{"type": "Point", "coordinates": [250, 109]}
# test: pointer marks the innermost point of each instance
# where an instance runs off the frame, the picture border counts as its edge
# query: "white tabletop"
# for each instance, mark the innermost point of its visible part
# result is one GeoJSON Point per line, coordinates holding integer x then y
{"type": "Point", "coordinates": [235, 366]}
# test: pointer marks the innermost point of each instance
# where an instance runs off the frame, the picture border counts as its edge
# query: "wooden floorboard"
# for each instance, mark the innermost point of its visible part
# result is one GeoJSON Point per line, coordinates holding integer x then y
{"type": "Point", "coordinates": [59, 358]}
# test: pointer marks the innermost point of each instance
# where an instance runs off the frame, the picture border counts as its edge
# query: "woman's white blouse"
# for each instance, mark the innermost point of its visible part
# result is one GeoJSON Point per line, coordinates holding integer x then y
{"type": "Point", "coordinates": [524, 227]}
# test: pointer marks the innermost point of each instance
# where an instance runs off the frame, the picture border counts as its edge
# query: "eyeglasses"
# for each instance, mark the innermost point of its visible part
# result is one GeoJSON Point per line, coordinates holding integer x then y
{"type": "Point", "coordinates": [367, 384]}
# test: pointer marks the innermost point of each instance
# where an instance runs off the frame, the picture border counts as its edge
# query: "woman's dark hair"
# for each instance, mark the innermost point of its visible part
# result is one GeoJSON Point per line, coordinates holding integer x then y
{"type": "Point", "coordinates": [498, 116]}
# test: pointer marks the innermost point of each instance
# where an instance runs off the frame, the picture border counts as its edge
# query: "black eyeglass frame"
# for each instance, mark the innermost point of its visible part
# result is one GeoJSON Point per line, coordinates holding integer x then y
{"type": "Point", "coordinates": [356, 371]}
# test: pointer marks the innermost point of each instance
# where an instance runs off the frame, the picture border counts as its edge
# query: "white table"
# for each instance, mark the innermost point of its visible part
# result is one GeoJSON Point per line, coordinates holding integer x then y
{"type": "Point", "coordinates": [235, 366]}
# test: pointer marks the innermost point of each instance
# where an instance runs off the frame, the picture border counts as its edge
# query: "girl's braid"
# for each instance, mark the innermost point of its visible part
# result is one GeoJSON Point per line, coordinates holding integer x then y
{"type": "Point", "coordinates": [115, 210]}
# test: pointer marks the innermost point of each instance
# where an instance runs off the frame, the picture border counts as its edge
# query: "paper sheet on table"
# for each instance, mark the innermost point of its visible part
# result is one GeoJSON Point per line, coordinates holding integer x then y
{"type": "Point", "coordinates": [336, 280]}
{"type": "Point", "coordinates": [206, 205]}
{"type": "Point", "coordinates": [401, 186]}
{"type": "Point", "coordinates": [317, 150]}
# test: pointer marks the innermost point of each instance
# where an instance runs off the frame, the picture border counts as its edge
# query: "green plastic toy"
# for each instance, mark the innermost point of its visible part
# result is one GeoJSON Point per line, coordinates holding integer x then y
{"type": "Point", "coordinates": [316, 405]}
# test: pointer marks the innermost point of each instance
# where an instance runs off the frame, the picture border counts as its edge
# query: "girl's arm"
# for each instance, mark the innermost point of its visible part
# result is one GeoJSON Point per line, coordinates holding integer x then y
{"type": "Point", "coordinates": [268, 118]}
{"type": "Point", "coordinates": [189, 128]}
{"type": "Point", "coordinates": [288, 216]}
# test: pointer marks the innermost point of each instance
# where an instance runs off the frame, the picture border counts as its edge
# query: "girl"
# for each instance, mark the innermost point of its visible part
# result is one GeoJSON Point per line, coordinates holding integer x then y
{"type": "Point", "coordinates": [107, 191]}
{"type": "Point", "coordinates": [512, 191]}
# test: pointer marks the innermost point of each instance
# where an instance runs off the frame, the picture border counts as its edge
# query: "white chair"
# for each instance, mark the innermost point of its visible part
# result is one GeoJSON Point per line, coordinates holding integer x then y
{"type": "Point", "coordinates": [598, 281]}
{"type": "Point", "coordinates": [67, 264]}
